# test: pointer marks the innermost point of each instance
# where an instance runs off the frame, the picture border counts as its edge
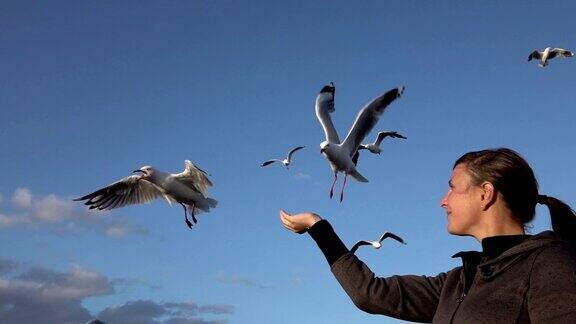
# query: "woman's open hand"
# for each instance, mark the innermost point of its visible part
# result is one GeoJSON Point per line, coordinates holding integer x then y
{"type": "Point", "coordinates": [298, 223]}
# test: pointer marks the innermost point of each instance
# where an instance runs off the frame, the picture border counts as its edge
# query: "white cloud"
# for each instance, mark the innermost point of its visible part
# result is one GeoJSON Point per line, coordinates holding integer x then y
{"type": "Point", "coordinates": [7, 221]}
{"type": "Point", "coordinates": [182, 320]}
{"type": "Point", "coordinates": [297, 281]}
{"type": "Point", "coordinates": [41, 295]}
{"type": "Point", "coordinates": [22, 197]}
{"type": "Point", "coordinates": [126, 284]}
{"type": "Point", "coordinates": [238, 280]}
{"type": "Point", "coordinates": [121, 229]}
{"type": "Point", "coordinates": [302, 176]}
{"type": "Point", "coordinates": [147, 311]}
{"type": "Point", "coordinates": [62, 216]}
{"type": "Point", "coordinates": [116, 231]}
{"type": "Point", "coordinates": [216, 309]}
{"type": "Point", "coordinates": [52, 209]}
{"type": "Point", "coordinates": [7, 265]}
{"type": "Point", "coordinates": [78, 283]}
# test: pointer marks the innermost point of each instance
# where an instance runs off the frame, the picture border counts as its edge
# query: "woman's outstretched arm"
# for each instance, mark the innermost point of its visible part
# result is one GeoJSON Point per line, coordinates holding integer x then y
{"type": "Point", "coordinates": [412, 298]}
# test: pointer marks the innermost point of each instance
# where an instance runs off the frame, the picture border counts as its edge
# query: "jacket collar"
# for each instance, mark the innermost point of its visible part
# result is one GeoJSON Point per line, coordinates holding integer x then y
{"type": "Point", "coordinates": [491, 268]}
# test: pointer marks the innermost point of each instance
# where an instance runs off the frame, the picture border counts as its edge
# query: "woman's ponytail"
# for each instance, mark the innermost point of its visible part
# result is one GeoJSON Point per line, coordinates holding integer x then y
{"type": "Point", "coordinates": [562, 216]}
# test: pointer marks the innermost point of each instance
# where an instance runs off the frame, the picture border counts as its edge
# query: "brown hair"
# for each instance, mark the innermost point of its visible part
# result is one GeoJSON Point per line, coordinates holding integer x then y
{"type": "Point", "coordinates": [514, 179]}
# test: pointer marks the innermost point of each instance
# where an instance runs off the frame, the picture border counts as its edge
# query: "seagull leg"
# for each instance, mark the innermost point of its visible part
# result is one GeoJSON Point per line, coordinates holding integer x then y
{"type": "Point", "coordinates": [186, 216]}
{"type": "Point", "coordinates": [192, 214]}
{"type": "Point", "coordinates": [344, 185]}
{"type": "Point", "coordinates": [333, 183]}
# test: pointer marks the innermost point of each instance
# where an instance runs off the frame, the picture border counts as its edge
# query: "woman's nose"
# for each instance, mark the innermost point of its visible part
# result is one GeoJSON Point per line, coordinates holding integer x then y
{"type": "Point", "coordinates": [444, 201]}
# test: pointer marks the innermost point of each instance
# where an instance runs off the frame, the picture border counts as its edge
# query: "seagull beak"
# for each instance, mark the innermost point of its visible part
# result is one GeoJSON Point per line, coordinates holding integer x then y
{"type": "Point", "coordinates": [143, 173]}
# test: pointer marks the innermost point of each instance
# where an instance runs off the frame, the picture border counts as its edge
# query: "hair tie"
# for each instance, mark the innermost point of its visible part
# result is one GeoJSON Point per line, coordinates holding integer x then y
{"type": "Point", "coordinates": [542, 199]}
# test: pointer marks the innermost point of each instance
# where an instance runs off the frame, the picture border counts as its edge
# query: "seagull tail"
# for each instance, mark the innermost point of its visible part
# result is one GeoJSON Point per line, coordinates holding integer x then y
{"type": "Point", "coordinates": [202, 206]}
{"type": "Point", "coordinates": [356, 175]}
{"type": "Point", "coordinates": [212, 202]}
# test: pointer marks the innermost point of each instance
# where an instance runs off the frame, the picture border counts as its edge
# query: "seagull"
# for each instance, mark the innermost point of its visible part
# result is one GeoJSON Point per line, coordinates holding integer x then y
{"type": "Point", "coordinates": [377, 244]}
{"type": "Point", "coordinates": [95, 321]}
{"type": "Point", "coordinates": [188, 188]}
{"type": "Point", "coordinates": [549, 53]}
{"type": "Point", "coordinates": [340, 155]}
{"type": "Point", "coordinates": [286, 162]}
{"type": "Point", "coordinates": [375, 147]}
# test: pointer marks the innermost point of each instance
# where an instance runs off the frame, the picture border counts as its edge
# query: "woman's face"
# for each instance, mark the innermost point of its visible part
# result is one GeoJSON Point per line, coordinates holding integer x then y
{"type": "Point", "coordinates": [462, 203]}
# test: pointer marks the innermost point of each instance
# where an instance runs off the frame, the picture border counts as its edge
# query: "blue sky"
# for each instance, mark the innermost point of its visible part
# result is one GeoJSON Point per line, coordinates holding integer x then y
{"type": "Point", "coordinates": [91, 90]}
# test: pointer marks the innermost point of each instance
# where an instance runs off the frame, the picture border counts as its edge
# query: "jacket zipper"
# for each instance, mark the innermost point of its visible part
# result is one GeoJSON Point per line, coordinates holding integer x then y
{"type": "Point", "coordinates": [459, 300]}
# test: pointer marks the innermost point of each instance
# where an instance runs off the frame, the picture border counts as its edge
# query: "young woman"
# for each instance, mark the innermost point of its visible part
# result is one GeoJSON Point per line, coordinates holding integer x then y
{"type": "Point", "coordinates": [517, 278]}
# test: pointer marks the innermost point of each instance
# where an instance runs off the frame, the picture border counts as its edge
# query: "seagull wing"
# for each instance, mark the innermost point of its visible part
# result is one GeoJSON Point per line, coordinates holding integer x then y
{"type": "Point", "coordinates": [392, 236]}
{"type": "Point", "coordinates": [367, 118]}
{"type": "Point", "coordinates": [325, 106]}
{"type": "Point", "coordinates": [534, 55]}
{"type": "Point", "coordinates": [359, 244]}
{"type": "Point", "coordinates": [356, 157]}
{"type": "Point", "coordinates": [382, 135]}
{"type": "Point", "coordinates": [559, 52]}
{"type": "Point", "coordinates": [194, 177]}
{"type": "Point", "coordinates": [269, 162]}
{"type": "Point", "coordinates": [289, 157]}
{"type": "Point", "coordinates": [128, 191]}
{"type": "Point", "coordinates": [380, 138]}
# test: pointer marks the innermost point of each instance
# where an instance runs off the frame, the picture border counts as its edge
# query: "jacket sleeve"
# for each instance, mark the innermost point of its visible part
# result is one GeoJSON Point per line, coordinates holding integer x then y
{"type": "Point", "coordinates": [552, 291]}
{"type": "Point", "coordinates": [411, 298]}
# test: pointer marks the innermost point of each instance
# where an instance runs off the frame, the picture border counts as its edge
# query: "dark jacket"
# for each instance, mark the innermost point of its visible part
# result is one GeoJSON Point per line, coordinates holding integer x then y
{"type": "Point", "coordinates": [532, 282]}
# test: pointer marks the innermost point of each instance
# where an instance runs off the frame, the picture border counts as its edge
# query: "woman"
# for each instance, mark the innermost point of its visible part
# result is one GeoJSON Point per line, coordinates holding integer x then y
{"type": "Point", "coordinates": [517, 278]}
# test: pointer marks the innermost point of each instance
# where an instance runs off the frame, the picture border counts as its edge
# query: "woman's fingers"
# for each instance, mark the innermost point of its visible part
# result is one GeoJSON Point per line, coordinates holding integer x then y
{"type": "Point", "coordinates": [285, 220]}
{"type": "Point", "coordinates": [298, 223]}
{"type": "Point", "coordinates": [285, 223]}
{"type": "Point", "coordinates": [289, 223]}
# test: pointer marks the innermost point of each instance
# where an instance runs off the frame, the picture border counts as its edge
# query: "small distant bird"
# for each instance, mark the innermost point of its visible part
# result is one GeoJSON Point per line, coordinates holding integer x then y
{"type": "Point", "coordinates": [549, 54]}
{"type": "Point", "coordinates": [375, 147]}
{"type": "Point", "coordinates": [342, 156]}
{"type": "Point", "coordinates": [188, 188]}
{"type": "Point", "coordinates": [95, 321]}
{"type": "Point", "coordinates": [377, 244]}
{"type": "Point", "coordinates": [286, 162]}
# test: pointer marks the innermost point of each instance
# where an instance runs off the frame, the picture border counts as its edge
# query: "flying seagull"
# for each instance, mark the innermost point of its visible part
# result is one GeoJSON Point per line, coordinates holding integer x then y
{"type": "Point", "coordinates": [375, 147]}
{"type": "Point", "coordinates": [549, 53]}
{"type": "Point", "coordinates": [95, 321]}
{"type": "Point", "coordinates": [286, 162]}
{"type": "Point", "coordinates": [340, 155]}
{"type": "Point", "coordinates": [188, 188]}
{"type": "Point", "coordinates": [377, 244]}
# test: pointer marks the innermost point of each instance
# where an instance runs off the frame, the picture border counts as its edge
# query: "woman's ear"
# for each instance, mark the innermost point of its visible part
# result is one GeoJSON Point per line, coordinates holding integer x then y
{"type": "Point", "coordinates": [487, 195]}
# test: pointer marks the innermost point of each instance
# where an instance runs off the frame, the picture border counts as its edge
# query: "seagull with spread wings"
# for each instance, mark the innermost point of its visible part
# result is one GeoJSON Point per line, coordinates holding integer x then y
{"type": "Point", "coordinates": [188, 188]}
{"type": "Point", "coordinates": [377, 244]}
{"type": "Point", "coordinates": [286, 162]}
{"type": "Point", "coordinates": [549, 53]}
{"type": "Point", "coordinates": [375, 147]}
{"type": "Point", "coordinates": [342, 155]}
